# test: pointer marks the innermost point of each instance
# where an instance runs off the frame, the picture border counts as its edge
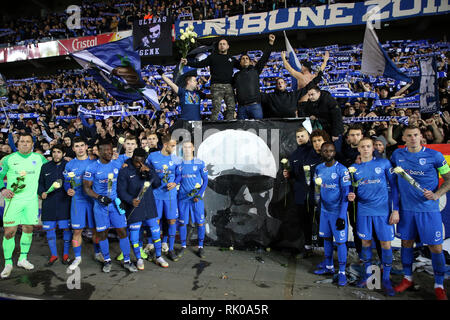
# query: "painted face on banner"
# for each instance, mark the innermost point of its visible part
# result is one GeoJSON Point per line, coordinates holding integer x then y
{"type": "Point", "coordinates": [241, 174]}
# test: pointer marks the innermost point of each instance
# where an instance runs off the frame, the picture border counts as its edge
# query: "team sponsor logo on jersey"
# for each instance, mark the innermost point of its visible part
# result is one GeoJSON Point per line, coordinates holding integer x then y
{"type": "Point", "coordinates": [333, 175]}
{"type": "Point", "coordinates": [415, 173]}
{"type": "Point", "coordinates": [377, 170]}
{"type": "Point", "coordinates": [422, 161]}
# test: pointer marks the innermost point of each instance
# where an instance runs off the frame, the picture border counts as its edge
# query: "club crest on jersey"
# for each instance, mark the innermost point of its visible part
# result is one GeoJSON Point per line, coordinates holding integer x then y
{"type": "Point", "coordinates": [116, 171]}
{"type": "Point", "coordinates": [333, 175]}
{"type": "Point", "coordinates": [170, 163]}
{"type": "Point", "coordinates": [378, 170]}
{"type": "Point", "coordinates": [33, 162]}
{"type": "Point", "coordinates": [422, 161]}
{"type": "Point", "coordinates": [195, 168]}
{"type": "Point", "coordinates": [438, 234]}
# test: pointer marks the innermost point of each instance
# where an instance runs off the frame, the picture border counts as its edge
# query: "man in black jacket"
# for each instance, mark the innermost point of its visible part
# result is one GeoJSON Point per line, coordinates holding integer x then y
{"type": "Point", "coordinates": [55, 204]}
{"type": "Point", "coordinates": [140, 208]}
{"type": "Point", "coordinates": [221, 67]}
{"type": "Point", "coordinates": [246, 83]}
{"type": "Point", "coordinates": [282, 103]}
{"type": "Point", "coordinates": [322, 107]}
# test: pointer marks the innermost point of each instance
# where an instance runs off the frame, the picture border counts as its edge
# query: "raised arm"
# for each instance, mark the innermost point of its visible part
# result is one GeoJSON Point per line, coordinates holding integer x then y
{"type": "Point", "coordinates": [288, 67]}
{"type": "Point", "coordinates": [168, 81]}
{"type": "Point", "coordinates": [326, 57]}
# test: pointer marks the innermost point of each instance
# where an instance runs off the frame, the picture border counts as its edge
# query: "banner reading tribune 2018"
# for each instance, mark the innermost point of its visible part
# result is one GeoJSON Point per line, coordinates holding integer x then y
{"type": "Point", "coordinates": [152, 37]}
{"type": "Point", "coordinates": [334, 15]}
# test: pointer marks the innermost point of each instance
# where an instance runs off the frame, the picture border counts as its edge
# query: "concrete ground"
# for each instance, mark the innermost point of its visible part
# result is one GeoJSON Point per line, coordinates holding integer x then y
{"type": "Point", "coordinates": [222, 275]}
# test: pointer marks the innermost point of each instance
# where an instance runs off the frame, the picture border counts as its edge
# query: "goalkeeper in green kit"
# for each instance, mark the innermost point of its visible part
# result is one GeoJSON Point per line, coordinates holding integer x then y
{"type": "Point", "coordinates": [22, 169]}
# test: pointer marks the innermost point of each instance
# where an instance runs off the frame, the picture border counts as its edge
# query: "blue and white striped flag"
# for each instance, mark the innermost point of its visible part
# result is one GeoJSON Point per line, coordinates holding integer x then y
{"type": "Point", "coordinates": [375, 61]}
{"type": "Point", "coordinates": [293, 61]}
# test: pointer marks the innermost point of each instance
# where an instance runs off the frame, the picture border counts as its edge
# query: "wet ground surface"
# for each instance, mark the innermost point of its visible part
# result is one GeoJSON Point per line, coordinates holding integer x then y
{"type": "Point", "coordinates": [221, 275]}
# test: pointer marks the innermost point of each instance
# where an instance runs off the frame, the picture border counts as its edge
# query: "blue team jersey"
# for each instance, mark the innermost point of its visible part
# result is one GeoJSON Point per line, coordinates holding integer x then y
{"type": "Point", "coordinates": [98, 172]}
{"type": "Point", "coordinates": [192, 172]}
{"type": "Point", "coordinates": [78, 167]}
{"type": "Point", "coordinates": [374, 178]}
{"type": "Point", "coordinates": [422, 166]}
{"type": "Point", "coordinates": [167, 175]}
{"type": "Point", "coordinates": [334, 179]}
{"type": "Point", "coordinates": [122, 158]}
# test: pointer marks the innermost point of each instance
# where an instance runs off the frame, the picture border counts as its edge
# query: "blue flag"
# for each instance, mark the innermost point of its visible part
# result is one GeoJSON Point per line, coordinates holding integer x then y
{"type": "Point", "coordinates": [375, 60]}
{"type": "Point", "coordinates": [293, 61]}
{"type": "Point", "coordinates": [117, 67]}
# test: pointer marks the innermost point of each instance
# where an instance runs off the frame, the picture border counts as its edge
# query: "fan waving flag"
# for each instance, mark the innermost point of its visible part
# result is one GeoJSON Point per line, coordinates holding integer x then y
{"type": "Point", "coordinates": [117, 67]}
{"type": "Point", "coordinates": [375, 61]}
{"type": "Point", "coordinates": [293, 61]}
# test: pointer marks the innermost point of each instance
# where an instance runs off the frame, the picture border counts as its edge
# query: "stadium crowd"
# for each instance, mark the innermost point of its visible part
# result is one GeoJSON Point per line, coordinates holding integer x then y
{"type": "Point", "coordinates": [118, 15]}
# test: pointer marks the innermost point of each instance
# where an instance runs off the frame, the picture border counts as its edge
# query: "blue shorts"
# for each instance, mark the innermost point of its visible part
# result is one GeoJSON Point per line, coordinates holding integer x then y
{"type": "Point", "coordinates": [327, 227]}
{"type": "Point", "coordinates": [169, 207]}
{"type": "Point", "coordinates": [190, 209]}
{"type": "Point", "coordinates": [80, 212]}
{"type": "Point", "coordinates": [427, 224]}
{"type": "Point", "coordinates": [108, 216]}
{"type": "Point", "coordinates": [365, 225]}
{"type": "Point", "coordinates": [151, 223]}
{"type": "Point", "coordinates": [49, 225]}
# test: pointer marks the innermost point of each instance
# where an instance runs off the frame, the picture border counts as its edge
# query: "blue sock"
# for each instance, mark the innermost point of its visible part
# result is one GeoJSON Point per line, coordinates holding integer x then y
{"type": "Point", "coordinates": [183, 234]}
{"type": "Point", "coordinates": [156, 238]}
{"type": "Point", "coordinates": [438, 263]}
{"type": "Point", "coordinates": [97, 248]}
{"type": "Point", "coordinates": [366, 257]}
{"type": "Point", "coordinates": [141, 237]}
{"type": "Point", "coordinates": [386, 259]}
{"type": "Point", "coordinates": [125, 247]}
{"type": "Point", "coordinates": [51, 239]}
{"type": "Point", "coordinates": [342, 256]}
{"type": "Point", "coordinates": [67, 237]}
{"type": "Point", "coordinates": [164, 239]}
{"type": "Point", "coordinates": [328, 251]}
{"type": "Point", "coordinates": [77, 251]}
{"type": "Point", "coordinates": [201, 235]}
{"type": "Point", "coordinates": [134, 238]}
{"type": "Point", "coordinates": [407, 256]}
{"type": "Point", "coordinates": [172, 232]}
{"type": "Point", "coordinates": [104, 247]}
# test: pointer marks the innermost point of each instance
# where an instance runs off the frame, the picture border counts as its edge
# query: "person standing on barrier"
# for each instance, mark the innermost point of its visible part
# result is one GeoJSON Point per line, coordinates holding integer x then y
{"type": "Point", "coordinates": [246, 83]}
{"type": "Point", "coordinates": [221, 67]}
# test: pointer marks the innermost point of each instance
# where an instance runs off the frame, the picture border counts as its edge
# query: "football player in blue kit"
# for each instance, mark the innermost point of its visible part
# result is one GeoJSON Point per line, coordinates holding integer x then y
{"type": "Point", "coordinates": [81, 208]}
{"type": "Point", "coordinates": [374, 176]}
{"type": "Point", "coordinates": [130, 144]}
{"type": "Point", "coordinates": [419, 211]}
{"type": "Point", "coordinates": [100, 183]}
{"type": "Point", "coordinates": [140, 208]}
{"type": "Point", "coordinates": [194, 180]}
{"type": "Point", "coordinates": [165, 164]}
{"type": "Point", "coordinates": [334, 182]}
